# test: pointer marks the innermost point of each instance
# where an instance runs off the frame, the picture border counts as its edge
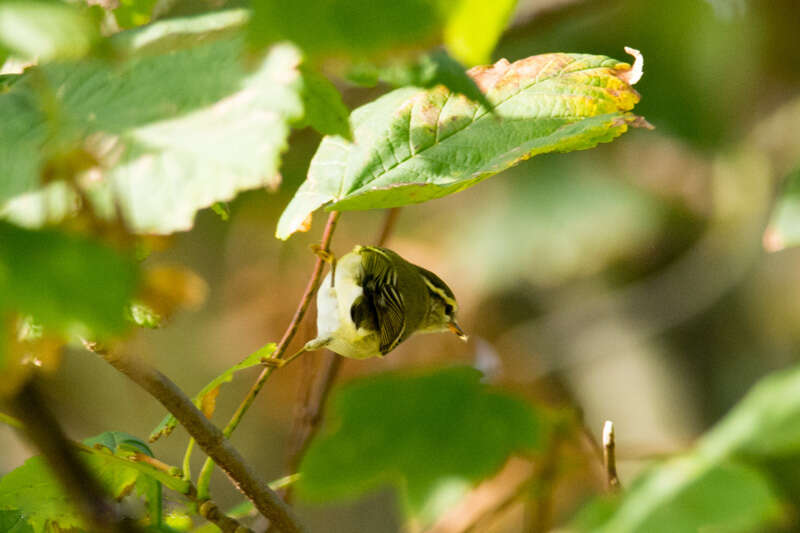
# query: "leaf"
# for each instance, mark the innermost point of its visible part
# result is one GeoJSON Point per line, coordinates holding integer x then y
{"type": "Point", "coordinates": [69, 284]}
{"type": "Point", "coordinates": [14, 522]}
{"type": "Point", "coordinates": [413, 432]}
{"type": "Point", "coordinates": [728, 497]}
{"type": "Point", "coordinates": [345, 27]}
{"type": "Point", "coordinates": [784, 226]}
{"type": "Point", "coordinates": [323, 106]}
{"type": "Point", "coordinates": [474, 27]}
{"type": "Point", "coordinates": [414, 145]}
{"type": "Point", "coordinates": [428, 71]}
{"type": "Point", "coordinates": [32, 490]}
{"type": "Point", "coordinates": [131, 13]}
{"type": "Point", "coordinates": [46, 31]}
{"type": "Point", "coordinates": [727, 481]}
{"type": "Point", "coordinates": [206, 398]}
{"type": "Point", "coordinates": [163, 137]}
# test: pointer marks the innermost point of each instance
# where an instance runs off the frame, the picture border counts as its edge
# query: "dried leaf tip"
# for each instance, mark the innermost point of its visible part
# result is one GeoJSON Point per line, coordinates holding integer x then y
{"type": "Point", "coordinates": [635, 73]}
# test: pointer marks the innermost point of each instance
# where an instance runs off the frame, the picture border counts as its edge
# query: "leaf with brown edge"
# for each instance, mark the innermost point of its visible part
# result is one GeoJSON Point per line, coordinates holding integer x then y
{"type": "Point", "coordinates": [413, 145]}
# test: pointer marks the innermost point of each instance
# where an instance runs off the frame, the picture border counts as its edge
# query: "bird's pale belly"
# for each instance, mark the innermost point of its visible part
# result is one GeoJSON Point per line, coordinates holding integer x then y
{"type": "Point", "coordinates": [334, 324]}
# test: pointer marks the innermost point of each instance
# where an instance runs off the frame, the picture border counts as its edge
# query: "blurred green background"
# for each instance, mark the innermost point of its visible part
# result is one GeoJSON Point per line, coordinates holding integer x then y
{"type": "Point", "coordinates": [630, 280]}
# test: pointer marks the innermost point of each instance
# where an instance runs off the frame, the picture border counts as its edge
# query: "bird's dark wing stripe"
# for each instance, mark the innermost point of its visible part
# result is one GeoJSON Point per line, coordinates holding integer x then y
{"type": "Point", "coordinates": [380, 288]}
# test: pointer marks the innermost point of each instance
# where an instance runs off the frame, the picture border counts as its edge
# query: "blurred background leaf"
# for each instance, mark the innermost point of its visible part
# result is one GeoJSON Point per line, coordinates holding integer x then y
{"type": "Point", "coordinates": [416, 432]}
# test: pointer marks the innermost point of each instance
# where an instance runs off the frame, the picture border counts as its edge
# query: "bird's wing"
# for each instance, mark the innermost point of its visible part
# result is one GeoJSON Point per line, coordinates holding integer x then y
{"type": "Point", "coordinates": [381, 289]}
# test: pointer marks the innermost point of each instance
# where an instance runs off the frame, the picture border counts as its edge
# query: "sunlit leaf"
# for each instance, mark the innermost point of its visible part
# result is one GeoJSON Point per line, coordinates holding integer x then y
{"type": "Point", "coordinates": [69, 284]}
{"type": "Point", "coordinates": [322, 104]}
{"type": "Point", "coordinates": [473, 28]}
{"type": "Point", "coordinates": [413, 432]}
{"type": "Point", "coordinates": [163, 137]}
{"type": "Point", "coordinates": [206, 398]}
{"type": "Point", "coordinates": [44, 31]}
{"type": "Point", "coordinates": [414, 145]}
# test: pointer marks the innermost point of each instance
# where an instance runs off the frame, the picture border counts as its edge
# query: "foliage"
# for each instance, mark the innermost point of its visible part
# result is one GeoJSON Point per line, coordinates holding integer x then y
{"type": "Point", "coordinates": [413, 432]}
{"type": "Point", "coordinates": [411, 146]}
{"type": "Point", "coordinates": [122, 120]}
{"type": "Point", "coordinates": [728, 481]}
{"type": "Point", "coordinates": [33, 493]}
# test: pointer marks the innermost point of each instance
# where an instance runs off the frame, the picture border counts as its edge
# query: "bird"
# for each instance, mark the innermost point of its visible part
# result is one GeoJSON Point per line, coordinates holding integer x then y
{"type": "Point", "coordinates": [372, 300]}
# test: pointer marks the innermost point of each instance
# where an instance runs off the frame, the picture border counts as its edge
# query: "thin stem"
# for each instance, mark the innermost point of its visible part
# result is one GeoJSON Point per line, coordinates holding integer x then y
{"type": "Point", "coordinates": [204, 480]}
{"type": "Point", "coordinates": [187, 461]}
{"type": "Point", "coordinates": [208, 436]}
{"type": "Point", "coordinates": [308, 415]}
{"type": "Point", "coordinates": [44, 430]}
{"type": "Point", "coordinates": [388, 225]}
{"type": "Point", "coordinates": [609, 457]}
{"type": "Point", "coordinates": [10, 421]}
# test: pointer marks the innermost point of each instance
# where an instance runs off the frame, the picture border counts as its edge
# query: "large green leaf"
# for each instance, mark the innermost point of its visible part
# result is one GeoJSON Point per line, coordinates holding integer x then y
{"type": "Point", "coordinates": [208, 394]}
{"type": "Point", "coordinates": [414, 145]}
{"type": "Point", "coordinates": [170, 137]}
{"type": "Point", "coordinates": [46, 30]}
{"type": "Point", "coordinates": [729, 480]}
{"type": "Point", "coordinates": [69, 284]}
{"type": "Point", "coordinates": [415, 432]}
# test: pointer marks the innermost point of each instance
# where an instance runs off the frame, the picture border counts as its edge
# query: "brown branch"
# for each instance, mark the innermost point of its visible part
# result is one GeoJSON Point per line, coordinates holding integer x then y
{"type": "Point", "coordinates": [280, 350]}
{"type": "Point", "coordinates": [44, 430]}
{"type": "Point", "coordinates": [609, 458]}
{"type": "Point", "coordinates": [211, 512]}
{"type": "Point", "coordinates": [208, 437]}
{"type": "Point", "coordinates": [315, 390]}
{"type": "Point", "coordinates": [488, 499]}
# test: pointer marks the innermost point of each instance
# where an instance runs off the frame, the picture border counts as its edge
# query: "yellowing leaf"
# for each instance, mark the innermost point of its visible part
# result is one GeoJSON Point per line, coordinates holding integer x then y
{"type": "Point", "coordinates": [413, 145]}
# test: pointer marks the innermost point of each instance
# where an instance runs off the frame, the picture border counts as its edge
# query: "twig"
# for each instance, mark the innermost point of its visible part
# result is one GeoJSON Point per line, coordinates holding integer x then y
{"type": "Point", "coordinates": [211, 512]}
{"type": "Point", "coordinates": [388, 225]}
{"type": "Point", "coordinates": [44, 430]}
{"type": "Point", "coordinates": [609, 457]}
{"type": "Point", "coordinates": [308, 414]}
{"type": "Point", "coordinates": [311, 288]}
{"type": "Point", "coordinates": [488, 499]}
{"type": "Point", "coordinates": [208, 437]}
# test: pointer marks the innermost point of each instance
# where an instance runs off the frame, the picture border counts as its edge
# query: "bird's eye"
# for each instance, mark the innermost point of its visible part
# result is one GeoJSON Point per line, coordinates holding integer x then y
{"type": "Point", "coordinates": [448, 309]}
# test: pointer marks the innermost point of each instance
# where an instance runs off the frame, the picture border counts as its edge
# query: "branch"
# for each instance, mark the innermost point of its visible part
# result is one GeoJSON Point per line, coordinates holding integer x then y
{"type": "Point", "coordinates": [311, 288]}
{"type": "Point", "coordinates": [315, 390]}
{"type": "Point", "coordinates": [609, 457]}
{"type": "Point", "coordinates": [208, 437]}
{"type": "Point", "coordinates": [488, 499]}
{"type": "Point", "coordinates": [44, 430]}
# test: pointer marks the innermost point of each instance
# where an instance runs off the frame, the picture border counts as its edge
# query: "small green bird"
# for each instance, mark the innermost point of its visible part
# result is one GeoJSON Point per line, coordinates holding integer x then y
{"type": "Point", "coordinates": [373, 299]}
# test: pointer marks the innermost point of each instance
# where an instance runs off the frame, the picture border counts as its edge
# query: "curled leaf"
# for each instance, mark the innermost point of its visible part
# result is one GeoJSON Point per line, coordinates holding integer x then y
{"type": "Point", "coordinates": [414, 145]}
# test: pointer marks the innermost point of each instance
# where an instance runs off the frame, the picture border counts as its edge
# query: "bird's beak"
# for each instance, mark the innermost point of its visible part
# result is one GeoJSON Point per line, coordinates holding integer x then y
{"type": "Point", "coordinates": [455, 328]}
